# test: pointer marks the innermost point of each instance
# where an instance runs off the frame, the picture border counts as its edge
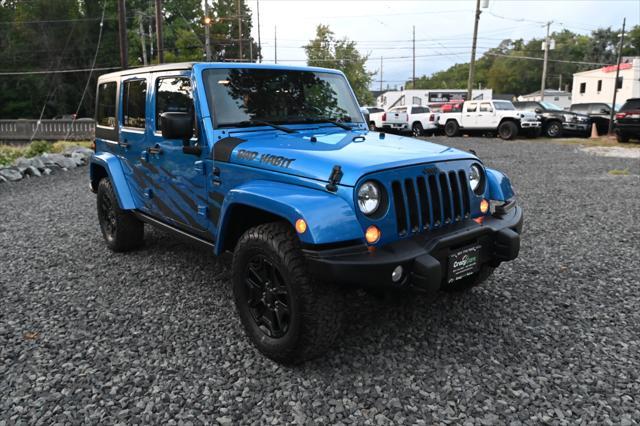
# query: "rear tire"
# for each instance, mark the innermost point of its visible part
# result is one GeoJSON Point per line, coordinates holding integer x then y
{"type": "Point", "coordinates": [287, 313]}
{"type": "Point", "coordinates": [470, 282]}
{"type": "Point", "coordinates": [451, 129]}
{"type": "Point", "coordinates": [508, 130]}
{"type": "Point", "coordinates": [121, 230]}
{"type": "Point", "coordinates": [416, 129]}
{"type": "Point", "coordinates": [553, 129]}
{"type": "Point", "coordinates": [622, 137]}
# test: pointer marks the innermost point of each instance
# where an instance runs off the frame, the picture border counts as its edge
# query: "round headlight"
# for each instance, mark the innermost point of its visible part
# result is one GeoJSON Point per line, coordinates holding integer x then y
{"type": "Point", "coordinates": [369, 197]}
{"type": "Point", "coordinates": [475, 177]}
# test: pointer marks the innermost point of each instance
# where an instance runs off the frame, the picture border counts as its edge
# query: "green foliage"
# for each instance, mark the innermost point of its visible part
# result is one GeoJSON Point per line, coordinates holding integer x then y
{"type": "Point", "coordinates": [8, 154]}
{"type": "Point", "coordinates": [328, 52]}
{"type": "Point", "coordinates": [68, 37]}
{"type": "Point", "coordinates": [37, 148]}
{"type": "Point", "coordinates": [505, 71]}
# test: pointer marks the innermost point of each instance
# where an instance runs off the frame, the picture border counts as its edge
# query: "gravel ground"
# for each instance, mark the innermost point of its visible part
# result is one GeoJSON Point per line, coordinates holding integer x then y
{"type": "Point", "coordinates": [88, 336]}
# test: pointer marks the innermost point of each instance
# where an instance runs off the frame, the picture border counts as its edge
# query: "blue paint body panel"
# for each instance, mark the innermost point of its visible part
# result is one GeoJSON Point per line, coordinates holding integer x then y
{"type": "Point", "coordinates": [284, 174]}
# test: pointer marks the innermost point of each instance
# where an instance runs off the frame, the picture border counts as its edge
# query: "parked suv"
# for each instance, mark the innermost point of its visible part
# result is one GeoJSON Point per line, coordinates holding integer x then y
{"type": "Point", "coordinates": [557, 122]}
{"type": "Point", "coordinates": [627, 120]}
{"type": "Point", "coordinates": [598, 112]}
{"type": "Point", "coordinates": [276, 166]}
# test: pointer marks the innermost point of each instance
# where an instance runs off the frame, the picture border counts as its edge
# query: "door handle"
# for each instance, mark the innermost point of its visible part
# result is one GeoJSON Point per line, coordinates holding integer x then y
{"type": "Point", "coordinates": [124, 144]}
{"type": "Point", "coordinates": [155, 150]}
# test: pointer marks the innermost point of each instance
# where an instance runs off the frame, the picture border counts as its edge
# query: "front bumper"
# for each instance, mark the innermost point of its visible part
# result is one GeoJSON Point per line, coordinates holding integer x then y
{"type": "Point", "coordinates": [530, 124]}
{"type": "Point", "coordinates": [576, 127]}
{"type": "Point", "coordinates": [424, 258]}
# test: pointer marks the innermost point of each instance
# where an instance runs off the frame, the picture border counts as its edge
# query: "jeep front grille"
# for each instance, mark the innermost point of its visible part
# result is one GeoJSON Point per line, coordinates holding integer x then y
{"type": "Point", "coordinates": [431, 201]}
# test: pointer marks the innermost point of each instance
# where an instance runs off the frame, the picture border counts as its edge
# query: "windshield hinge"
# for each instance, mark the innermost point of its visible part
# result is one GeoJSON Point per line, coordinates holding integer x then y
{"type": "Point", "coordinates": [334, 178]}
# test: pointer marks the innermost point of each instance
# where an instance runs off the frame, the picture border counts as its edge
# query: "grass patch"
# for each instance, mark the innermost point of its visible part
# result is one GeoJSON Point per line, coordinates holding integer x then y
{"type": "Point", "coordinates": [619, 172]}
{"type": "Point", "coordinates": [9, 153]}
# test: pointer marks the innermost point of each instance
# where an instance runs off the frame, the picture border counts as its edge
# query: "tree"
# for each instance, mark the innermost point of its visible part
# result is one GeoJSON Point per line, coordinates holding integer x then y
{"type": "Point", "coordinates": [325, 51]}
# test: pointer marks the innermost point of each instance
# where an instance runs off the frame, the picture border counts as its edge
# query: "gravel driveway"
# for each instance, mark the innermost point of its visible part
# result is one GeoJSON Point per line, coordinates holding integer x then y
{"type": "Point", "coordinates": [88, 336]}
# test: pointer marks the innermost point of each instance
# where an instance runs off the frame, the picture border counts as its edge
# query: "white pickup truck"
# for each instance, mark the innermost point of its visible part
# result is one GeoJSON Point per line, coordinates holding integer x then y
{"type": "Point", "coordinates": [415, 119]}
{"type": "Point", "coordinates": [499, 117]}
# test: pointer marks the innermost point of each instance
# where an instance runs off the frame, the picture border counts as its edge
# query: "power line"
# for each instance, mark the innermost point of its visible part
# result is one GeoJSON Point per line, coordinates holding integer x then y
{"type": "Point", "coordinates": [59, 71]}
{"type": "Point", "coordinates": [532, 58]}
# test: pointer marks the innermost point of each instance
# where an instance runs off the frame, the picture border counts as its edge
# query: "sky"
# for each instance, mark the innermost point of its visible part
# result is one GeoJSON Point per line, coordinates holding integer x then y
{"type": "Point", "coordinates": [443, 29]}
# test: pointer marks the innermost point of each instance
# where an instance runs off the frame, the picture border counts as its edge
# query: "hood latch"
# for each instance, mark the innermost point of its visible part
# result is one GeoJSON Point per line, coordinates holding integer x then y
{"type": "Point", "coordinates": [334, 178]}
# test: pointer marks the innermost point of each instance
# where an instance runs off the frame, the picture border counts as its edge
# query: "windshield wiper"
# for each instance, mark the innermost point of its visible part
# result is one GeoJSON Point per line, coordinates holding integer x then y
{"type": "Point", "coordinates": [259, 123]}
{"type": "Point", "coordinates": [328, 120]}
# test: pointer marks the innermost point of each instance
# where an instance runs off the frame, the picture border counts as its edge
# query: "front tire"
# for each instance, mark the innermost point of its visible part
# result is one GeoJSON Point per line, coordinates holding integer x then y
{"type": "Point", "coordinates": [451, 129]}
{"type": "Point", "coordinates": [417, 130]}
{"type": "Point", "coordinates": [121, 230]}
{"type": "Point", "coordinates": [553, 129]}
{"type": "Point", "coordinates": [289, 315]}
{"type": "Point", "coordinates": [508, 130]}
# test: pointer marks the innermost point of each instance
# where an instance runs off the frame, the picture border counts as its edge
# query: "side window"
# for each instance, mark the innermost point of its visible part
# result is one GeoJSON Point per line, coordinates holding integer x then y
{"type": "Point", "coordinates": [106, 108]}
{"type": "Point", "coordinates": [583, 87]}
{"type": "Point", "coordinates": [599, 85]}
{"type": "Point", "coordinates": [133, 103]}
{"type": "Point", "coordinates": [418, 110]}
{"type": "Point", "coordinates": [173, 94]}
{"type": "Point", "coordinates": [486, 107]}
{"type": "Point", "coordinates": [472, 107]}
{"type": "Point", "coordinates": [619, 83]}
{"type": "Point", "coordinates": [416, 100]}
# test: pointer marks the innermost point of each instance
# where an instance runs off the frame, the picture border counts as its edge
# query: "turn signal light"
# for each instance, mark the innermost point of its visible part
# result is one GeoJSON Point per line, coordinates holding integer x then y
{"type": "Point", "coordinates": [479, 220]}
{"type": "Point", "coordinates": [301, 226]}
{"type": "Point", "coordinates": [484, 206]}
{"type": "Point", "coordinates": [372, 235]}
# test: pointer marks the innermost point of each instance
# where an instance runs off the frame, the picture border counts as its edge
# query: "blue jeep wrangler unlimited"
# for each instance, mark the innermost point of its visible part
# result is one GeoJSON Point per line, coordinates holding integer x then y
{"type": "Point", "coordinates": [276, 165]}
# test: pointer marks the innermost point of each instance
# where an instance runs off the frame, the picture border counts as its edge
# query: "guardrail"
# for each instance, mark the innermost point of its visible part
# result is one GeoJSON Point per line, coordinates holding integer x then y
{"type": "Point", "coordinates": [25, 130]}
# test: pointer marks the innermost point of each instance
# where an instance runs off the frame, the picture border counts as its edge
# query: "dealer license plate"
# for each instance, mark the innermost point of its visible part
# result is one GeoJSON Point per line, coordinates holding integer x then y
{"type": "Point", "coordinates": [464, 262]}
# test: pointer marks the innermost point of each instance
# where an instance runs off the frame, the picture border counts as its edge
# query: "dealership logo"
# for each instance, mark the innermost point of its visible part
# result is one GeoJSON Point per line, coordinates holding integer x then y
{"type": "Point", "coordinates": [465, 261]}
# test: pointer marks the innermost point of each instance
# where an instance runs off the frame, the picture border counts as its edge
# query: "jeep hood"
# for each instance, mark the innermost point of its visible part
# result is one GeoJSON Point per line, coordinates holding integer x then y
{"type": "Point", "coordinates": [356, 152]}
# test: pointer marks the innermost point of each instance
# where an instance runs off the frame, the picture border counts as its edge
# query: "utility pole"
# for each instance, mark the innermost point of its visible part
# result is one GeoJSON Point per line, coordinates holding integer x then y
{"type": "Point", "coordinates": [207, 31]}
{"type": "Point", "coordinates": [259, 42]}
{"type": "Point", "coordinates": [560, 82]}
{"type": "Point", "coordinates": [142, 41]}
{"type": "Point", "coordinates": [239, 29]}
{"type": "Point", "coordinates": [472, 64]}
{"type": "Point", "coordinates": [275, 43]}
{"type": "Point", "coordinates": [122, 35]}
{"type": "Point", "coordinates": [159, 31]}
{"type": "Point", "coordinates": [544, 64]}
{"type": "Point", "coordinates": [413, 81]}
{"type": "Point", "coordinates": [150, 35]}
{"type": "Point", "coordinates": [381, 73]}
{"type": "Point", "coordinates": [615, 83]}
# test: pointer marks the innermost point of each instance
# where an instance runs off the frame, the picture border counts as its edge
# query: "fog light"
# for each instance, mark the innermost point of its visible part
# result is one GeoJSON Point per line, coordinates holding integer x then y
{"type": "Point", "coordinates": [484, 206]}
{"type": "Point", "coordinates": [372, 235]}
{"type": "Point", "coordinates": [396, 275]}
{"type": "Point", "coordinates": [301, 226]}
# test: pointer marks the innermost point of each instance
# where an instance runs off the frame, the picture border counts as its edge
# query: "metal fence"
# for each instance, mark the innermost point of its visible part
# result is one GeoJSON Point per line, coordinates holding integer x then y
{"type": "Point", "coordinates": [25, 130]}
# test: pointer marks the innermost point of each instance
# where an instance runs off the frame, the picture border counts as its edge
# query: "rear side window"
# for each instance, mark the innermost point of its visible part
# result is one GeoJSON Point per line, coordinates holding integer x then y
{"type": "Point", "coordinates": [472, 107]}
{"type": "Point", "coordinates": [631, 104]}
{"type": "Point", "coordinates": [173, 94]}
{"type": "Point", "coordinates": [581, 108]}
{"type": "Point", "coordinates": [134, 101]}
{"type": "Point", "coordinates": [106, 108]}
{"type": "Point", "coordinates": [486, 107]}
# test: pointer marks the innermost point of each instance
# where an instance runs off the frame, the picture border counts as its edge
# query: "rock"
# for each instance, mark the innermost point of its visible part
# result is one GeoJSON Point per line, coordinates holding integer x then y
{"type": "Point", "coordinates": [11, 174]}
{"type": "Point", "coordinates": [79, 159]}
{"type": "Point", "coordinates": [2, 179]}
{"type": "Point", "coordinates": [224, 420]}
{"type": "Point", "coordinates": [31, 171]}
{"type": "Point", "coordinates": [58, 160]}
{"type": "Point", "coordinates": [25, 163]}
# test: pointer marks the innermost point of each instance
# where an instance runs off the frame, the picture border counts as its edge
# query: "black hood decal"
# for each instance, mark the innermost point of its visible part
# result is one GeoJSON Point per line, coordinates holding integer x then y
{"type": "Point", "coordinates": [223, 148]}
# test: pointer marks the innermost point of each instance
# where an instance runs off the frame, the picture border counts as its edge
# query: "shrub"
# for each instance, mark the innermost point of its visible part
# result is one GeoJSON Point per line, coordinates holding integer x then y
{"type": "Point", "coordinates": [8, 154]}
{"type": "Point", "coordinates": [61, 146]}
{"type": "Point", "coordinates": [37, 148]}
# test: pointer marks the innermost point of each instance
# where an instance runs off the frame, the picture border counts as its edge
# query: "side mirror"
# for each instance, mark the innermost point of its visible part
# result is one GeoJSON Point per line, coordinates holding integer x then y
{"type": "Point", "coordinates": [177, 125]}
{"type": "Point", "coordinates": [538, 110]}
{"type": "Point", "coordinates": [605, 111]}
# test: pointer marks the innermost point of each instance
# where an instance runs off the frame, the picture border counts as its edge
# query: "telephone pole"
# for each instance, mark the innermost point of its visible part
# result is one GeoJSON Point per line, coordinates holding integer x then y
{"type": "Point", "coordinates": [381, 73]}
{"type": "Point", "coordinates": [239, 29]}
{"type": "Point", "coordinates": [159, 31]}
{"type": "Point", "coordinates": [472, 64]}
{"type": "Point", "coordinates": [544, 64]}
{"type": "Point", "coordinates": [615, 83]}
{"type": "Point", "coordinates": [207, 31]}
{"type": "Point", "coordinates": [275, 43]}
{"type": "Point", "coordinates": [413, 81]}
{"type": "Point", "coordinates": [122, 35]}
{"type": "Point", "coordinates": [142, 39]}
{"type": "Point", "coordinates": [259, 42]}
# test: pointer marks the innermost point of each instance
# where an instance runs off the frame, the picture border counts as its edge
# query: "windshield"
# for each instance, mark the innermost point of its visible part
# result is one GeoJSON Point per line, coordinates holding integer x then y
{"type": "Point", "coordinates": [550, 106]}
{"type": "Point", "coordinates": [504, 105]}
{"type": "Point", "coordinates": [240, 96]}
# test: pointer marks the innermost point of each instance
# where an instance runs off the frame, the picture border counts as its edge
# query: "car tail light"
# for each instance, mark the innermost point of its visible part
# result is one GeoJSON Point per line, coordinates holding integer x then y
{"type": "Point", "coordinates": [621, 115]}
{"type": "Point", "coordinates": [384, 117]}
{"type": "Point", "coordinates": [432, 117]}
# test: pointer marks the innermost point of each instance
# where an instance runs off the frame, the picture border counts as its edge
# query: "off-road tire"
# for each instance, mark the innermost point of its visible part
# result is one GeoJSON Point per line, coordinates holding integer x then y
{"type": "Point", "coordinates": [315, 308]}
{"type": "Point", "coordinates": [416, 129]}
{"type": "Point", "coordinates": [471, 281]}
{"type": "Point", "coordinates": [553, 129]}
{"type": "Point", "coordinates": [508, 130]}
{"type": "Point", "coordinates": [452, 129]}
{"type": "Point", "coordinates": [121, 230]}
{"type": "Point", "coordinates": [622, 137]}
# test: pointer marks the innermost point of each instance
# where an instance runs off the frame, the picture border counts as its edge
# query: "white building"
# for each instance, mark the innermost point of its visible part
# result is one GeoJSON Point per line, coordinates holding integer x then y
{"type": "Point", "coordinates": [597, 85]}
{"type": "Point", "coordinates": [395, 98]}
{"type": "Point", "coordinates": [558, 97]}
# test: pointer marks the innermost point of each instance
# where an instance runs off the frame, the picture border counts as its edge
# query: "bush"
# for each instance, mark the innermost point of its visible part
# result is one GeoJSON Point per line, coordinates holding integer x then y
{"type": "Point", "coordinates": [61, 146]}
{"type": "Point", "coordinates": [37, 148]}
{"type": "Point", "coordinates": [8, 154]}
